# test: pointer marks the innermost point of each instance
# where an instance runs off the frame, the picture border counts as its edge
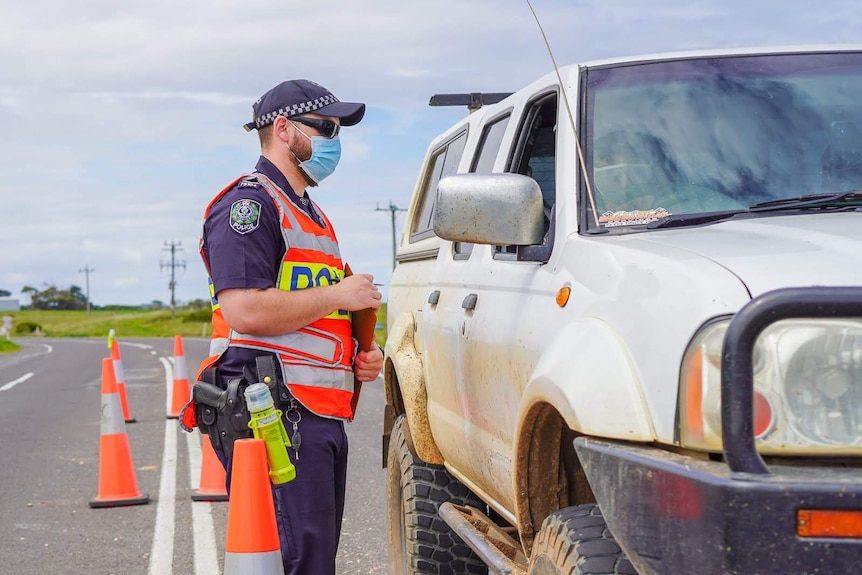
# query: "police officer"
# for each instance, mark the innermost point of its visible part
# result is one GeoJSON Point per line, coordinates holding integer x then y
{"type": "Point", "coordinates": [279, 288]}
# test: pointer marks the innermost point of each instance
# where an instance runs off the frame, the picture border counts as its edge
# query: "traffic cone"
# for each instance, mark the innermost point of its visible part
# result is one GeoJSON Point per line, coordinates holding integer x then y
{"type": "Point", "coordinates": [117, 483]}
{"type": "Point", "coordinates": [212, 482]}
{"type": "Point", "coordinates": [180, 395]}
{"type": "Point", "coordinates": [121, 380]}
{"type": "Point", "coordinates": [252, 544]}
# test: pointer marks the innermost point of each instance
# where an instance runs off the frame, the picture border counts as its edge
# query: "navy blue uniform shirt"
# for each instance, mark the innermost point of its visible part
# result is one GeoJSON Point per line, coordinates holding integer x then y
{"type": "Point", "coordinates": [247, 257]}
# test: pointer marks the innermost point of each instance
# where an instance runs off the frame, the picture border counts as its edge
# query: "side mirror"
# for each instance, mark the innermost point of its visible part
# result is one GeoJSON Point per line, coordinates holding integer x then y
{"type": "Point", "coordinates": [495, 209]}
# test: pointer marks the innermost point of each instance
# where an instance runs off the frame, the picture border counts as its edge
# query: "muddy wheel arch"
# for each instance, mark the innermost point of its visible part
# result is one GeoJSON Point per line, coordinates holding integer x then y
{"type": "Point", "coordinates": [556, 407]}
{"type": "Point", "coordinates": [548, 474]}
{"type": "Point", "coordinates": [404, 382]}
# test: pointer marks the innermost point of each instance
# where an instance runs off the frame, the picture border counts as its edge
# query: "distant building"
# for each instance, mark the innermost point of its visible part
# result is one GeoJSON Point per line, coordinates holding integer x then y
{"type": "Point", "coordinates": [9, 304]}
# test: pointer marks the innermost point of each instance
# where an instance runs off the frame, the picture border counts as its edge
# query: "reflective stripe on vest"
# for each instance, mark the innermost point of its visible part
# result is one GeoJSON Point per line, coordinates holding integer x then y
{"type": "Point", "coordinates": [317, 359]}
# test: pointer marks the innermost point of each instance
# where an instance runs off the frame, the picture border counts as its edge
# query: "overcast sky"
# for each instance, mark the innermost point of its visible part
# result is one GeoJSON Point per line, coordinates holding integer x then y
{"type": "Point", "coordinates": [121, 120]}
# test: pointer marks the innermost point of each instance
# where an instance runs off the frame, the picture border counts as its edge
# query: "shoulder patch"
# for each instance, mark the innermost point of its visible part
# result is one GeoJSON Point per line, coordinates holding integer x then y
{"type": "Point", "coordinates": [244, 216]}
{"type": "Point", "coordinates": [248, 184]}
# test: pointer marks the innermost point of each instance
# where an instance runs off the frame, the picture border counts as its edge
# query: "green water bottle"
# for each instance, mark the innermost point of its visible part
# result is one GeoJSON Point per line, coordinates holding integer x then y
{"type": "Point", "coordinates": [267, 425]}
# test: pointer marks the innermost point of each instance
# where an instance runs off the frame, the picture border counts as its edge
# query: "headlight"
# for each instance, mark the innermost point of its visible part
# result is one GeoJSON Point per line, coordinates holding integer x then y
{"type": "Point", "coordinates": [807, 387]}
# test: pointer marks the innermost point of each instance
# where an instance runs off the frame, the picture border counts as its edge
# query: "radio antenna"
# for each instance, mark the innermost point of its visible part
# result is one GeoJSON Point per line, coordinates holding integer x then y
{"type": "Point", "coordinates": [581, 160]}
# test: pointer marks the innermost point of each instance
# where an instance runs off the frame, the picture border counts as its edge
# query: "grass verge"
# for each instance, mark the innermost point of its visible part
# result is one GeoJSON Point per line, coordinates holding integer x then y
{"type": "Point", "coordinates": [7, 346]}
{"type": "Point", "coordinates": [126, 323]}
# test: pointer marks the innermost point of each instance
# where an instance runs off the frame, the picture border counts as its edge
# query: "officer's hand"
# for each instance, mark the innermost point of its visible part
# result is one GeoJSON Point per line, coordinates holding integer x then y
{"type": "Point", "coordinates": [358, 292]}
{"type": "Point", "coordinates": [368, 364]}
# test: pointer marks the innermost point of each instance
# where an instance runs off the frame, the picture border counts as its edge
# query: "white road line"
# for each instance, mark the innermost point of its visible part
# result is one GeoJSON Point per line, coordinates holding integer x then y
{"type": "Point", "coordinates": [133, 344]}
{"type": "Point", "coordinates": [169, 382]}
{"type": "Point", "coordinates": [123, 342]}
{"type": "Point", "coordinates": [12, 384]}
{"type": "Point", "coordinates": [162, 552]}
{"type": "Point", "coordinates": [19, 358]}
{"type": "Point", "coordinates": [194, 445]}
{"type": "Point", "coordinates": [206, 554]}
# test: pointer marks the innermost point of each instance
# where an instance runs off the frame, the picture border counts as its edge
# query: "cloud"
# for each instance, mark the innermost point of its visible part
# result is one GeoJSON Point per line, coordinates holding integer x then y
{"type": "Point", "coordinates": [122, 119]}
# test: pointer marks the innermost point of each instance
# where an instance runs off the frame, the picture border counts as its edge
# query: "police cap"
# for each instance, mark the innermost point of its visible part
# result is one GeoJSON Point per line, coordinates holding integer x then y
{"type": "Point", "coordinates": [297, 97]}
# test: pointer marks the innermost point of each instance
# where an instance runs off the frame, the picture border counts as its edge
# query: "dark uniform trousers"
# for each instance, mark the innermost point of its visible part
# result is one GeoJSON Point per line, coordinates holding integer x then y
{"type": "Point", "coordinates": [310, 508]}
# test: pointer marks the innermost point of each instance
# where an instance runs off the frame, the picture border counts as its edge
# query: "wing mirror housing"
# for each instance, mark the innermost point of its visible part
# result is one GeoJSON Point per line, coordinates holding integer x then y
{"type": "Point", "coordinates": [495, 209]}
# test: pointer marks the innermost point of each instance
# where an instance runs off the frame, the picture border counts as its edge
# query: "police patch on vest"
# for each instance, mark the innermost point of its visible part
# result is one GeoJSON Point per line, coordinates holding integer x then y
{"type": "Point", "coordinates": [244, 216]}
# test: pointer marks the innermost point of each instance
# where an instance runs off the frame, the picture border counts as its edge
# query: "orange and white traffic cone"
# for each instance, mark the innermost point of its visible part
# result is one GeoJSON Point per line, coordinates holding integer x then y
{"type": "Point", "coordinates": [252, 544]}
{"type": "Point", "coordinates": [117, 483]}
{"type": "Point", "coordinates": [121, 380]}
{"type": "Point", "coordinates": [212, 481]}
{"type": "Point", "coordinates": [181, 394]}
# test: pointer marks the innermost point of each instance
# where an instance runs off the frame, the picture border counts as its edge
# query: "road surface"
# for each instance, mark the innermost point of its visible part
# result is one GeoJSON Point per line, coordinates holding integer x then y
{"type": "Point", "coordinates": [50, 397]}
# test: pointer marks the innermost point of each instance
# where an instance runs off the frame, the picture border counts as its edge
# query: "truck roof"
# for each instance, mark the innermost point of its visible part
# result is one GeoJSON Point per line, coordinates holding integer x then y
{"type": "Point", "coordinates": [718, 52]}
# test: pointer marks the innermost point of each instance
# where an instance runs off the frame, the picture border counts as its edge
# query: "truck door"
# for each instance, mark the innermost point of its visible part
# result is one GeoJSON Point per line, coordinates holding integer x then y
{"type": "Point", "coordinates": [507, 295]}
{"type": "Point", "coordinates": [439, 296]}
{"type": "Point", "coordinates": [448, 396]}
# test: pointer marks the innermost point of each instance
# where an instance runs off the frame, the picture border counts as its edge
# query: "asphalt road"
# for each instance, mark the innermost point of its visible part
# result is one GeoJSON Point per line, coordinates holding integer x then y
{"type": "Point", "coordinates": [50, 397]}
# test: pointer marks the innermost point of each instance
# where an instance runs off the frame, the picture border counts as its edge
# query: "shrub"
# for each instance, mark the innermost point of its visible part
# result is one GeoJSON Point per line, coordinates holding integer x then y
{"type": "Point", "coordinates": [26, 328]}
{"type": "Point", "coordinates": [198, 316]}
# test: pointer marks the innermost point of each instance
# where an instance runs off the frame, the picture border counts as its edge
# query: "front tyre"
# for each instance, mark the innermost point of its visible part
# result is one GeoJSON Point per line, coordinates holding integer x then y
{"type": "Point", "coordinates": [576, 541]}
{"type": "Point", "coordinates": [419, 540]}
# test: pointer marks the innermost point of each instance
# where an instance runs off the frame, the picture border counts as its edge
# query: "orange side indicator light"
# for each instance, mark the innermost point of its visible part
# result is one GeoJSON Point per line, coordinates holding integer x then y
{"type": "Point", "coordinates": [829, 523]}
{"type": "Point", "coordinates": [563, 296]}
{"type": "Point", "coordinates": [694, 398]}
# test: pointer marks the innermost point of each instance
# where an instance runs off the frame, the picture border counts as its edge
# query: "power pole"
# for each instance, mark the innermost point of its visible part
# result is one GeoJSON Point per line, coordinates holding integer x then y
{"type": "Point", "coordinates": [173, 248]}
{"type": "Point", "coordinates": [392, 209]}
{"type": "Point", "coordinates": [87, 271]}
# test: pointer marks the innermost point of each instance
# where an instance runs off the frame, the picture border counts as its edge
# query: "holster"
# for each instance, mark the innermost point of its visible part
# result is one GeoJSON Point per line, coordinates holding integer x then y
{"type": "Point", "coordinates": [222, 412]}
{"type": "Point", "coordinates": [269, 372]}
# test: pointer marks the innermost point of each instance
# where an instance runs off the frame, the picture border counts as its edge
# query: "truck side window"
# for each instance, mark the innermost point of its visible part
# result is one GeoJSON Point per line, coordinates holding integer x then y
{"type": "Point", "coordinates": [489, 145]}
{"type": "Point", "coordinates": [444, 162]}
{"type": "Point", "coordinates": [535, 156]}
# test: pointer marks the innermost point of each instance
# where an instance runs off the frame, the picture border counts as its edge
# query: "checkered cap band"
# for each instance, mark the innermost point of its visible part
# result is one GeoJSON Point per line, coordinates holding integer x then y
{"type": "Point", "coordinates": [295, 110]}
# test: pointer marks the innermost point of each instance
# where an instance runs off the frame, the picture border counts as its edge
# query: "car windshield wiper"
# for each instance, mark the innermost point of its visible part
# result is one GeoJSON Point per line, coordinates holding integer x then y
{"type": "Point", "coordinates": [678, 220]}
{"type": "Point", "coordinates": [853, 197]}
{"type": "Point", "coordinates": [810, 201]}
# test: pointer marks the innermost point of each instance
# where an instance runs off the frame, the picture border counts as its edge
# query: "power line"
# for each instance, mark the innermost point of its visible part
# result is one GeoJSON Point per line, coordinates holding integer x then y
{"type": "Point", "coordinates": [173, 248]}
{"type": "Point", "coordinates": [87, 271]}
{"type": "Point", "coordinates": [392, 209]}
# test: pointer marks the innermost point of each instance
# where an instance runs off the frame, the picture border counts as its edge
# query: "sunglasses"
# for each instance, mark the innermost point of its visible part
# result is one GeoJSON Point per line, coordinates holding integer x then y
{"type": "Point", "coordinates": [327, 128]}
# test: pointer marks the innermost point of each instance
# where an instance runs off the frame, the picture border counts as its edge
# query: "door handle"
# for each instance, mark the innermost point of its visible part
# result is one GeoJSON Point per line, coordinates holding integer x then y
{"type": "Point", "coordinates": [434, 297]}
{"type": "Point", "coordinates": [470, 301]}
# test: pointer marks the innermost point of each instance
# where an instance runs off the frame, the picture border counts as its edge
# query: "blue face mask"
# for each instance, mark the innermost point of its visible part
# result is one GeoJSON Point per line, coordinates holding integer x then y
{"type": "Point", "coordinates": [325, 154]}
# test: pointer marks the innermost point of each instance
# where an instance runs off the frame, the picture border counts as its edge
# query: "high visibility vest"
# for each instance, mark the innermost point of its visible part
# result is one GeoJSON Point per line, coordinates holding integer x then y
{"type": "Point", "coordinates": [316, 360]}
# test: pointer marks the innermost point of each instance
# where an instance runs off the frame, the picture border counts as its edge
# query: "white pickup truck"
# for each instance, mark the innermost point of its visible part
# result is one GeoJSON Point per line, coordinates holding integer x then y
{"type": "Point", "coordinates": [625, 327]}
